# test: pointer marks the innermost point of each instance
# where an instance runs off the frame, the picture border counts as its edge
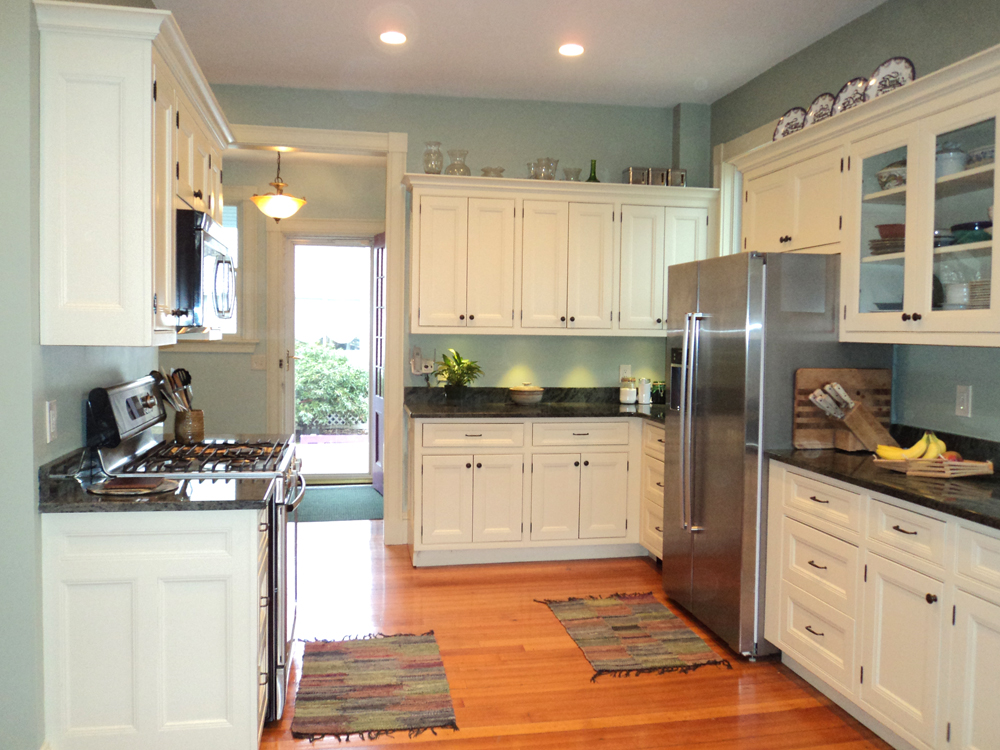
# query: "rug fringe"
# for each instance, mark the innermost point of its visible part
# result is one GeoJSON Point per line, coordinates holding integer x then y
{"type": "Point", "coordinates": [585, 598]}
{"type": "Point", "coordinates": [683, 669]}
{"type": "Point", "coordinates": [375, 734]}
{"type": "Point", "coordinates": [369, 637]}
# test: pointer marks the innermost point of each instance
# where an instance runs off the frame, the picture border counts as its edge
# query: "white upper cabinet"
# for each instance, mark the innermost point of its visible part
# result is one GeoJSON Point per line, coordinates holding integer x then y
{"type": "Point", "coordinates": [918, 174]}
{"type": "Point", "coordinates": [796, 208]}
{"type": "Point", "coordinates": [501, 256]}
{"type": "Point", "coordinates": [108, 165]}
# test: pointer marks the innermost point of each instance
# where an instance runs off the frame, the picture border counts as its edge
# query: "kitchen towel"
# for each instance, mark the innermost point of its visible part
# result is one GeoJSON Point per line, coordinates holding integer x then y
{"type": "Point", "coordinates": [630, 634]}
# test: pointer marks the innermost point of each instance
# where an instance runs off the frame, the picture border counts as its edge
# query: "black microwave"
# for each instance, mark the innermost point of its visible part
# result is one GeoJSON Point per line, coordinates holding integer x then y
{"type": "Point", "coordinates": [206, 274]}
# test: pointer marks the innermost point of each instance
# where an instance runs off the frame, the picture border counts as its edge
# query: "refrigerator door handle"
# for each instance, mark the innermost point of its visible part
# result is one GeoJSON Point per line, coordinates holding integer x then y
{"type": "Point", "coordinates": [683, 421]}
{"type": "Point", "coordinates": [692, 336]}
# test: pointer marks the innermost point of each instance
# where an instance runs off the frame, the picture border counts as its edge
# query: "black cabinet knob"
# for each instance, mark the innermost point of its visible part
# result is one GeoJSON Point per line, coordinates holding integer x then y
{"type": "Point", "coordinates": [576, 463]}
{"type": "Point", "coordinates": [906, 317]}
{"type": "Point", "coordinates": [917, 316]}
{"type": "Point", "coordinates": [659, 320]}
{"type": "Point", "coordinates": [479, 466]}
{"type": "Point", "coordinates": [461, 317]}
{"type": "Point", "coordinates": [468, 466]}
{"type": "Point", "coordinates": [572, 319]}
{"type": "Point", "coordinates": [563, 318]}
{"type": "Point", "coordinates": [197, 194]}
{"type": "Point", "coordinates": [586, 463]}
{"type": "Point", "coordinates": [472, 317]}
{"type": "Point", "coordinates": [931, 598]}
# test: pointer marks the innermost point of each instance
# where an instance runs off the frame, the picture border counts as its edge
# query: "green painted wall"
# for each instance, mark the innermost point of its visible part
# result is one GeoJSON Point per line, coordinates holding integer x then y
{"type": "Point", "coordinates": [692, 148]}
{"type": "Point", "coordinates": [496, 132]}
{"type": "Point", "coordinates": [931, 33]}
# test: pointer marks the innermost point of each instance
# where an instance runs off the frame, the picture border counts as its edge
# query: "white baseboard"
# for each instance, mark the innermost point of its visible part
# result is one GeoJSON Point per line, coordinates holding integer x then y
{"type": "Point", "coordinates": [847, 704]}
{"type": "Point", "coordinates": [428, 558]}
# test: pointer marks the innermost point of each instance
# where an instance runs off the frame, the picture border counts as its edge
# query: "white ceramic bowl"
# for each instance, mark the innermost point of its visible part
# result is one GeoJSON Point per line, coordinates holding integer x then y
{"type": "Point", "coordinates": [950, 162]}
{"type": "Point", "coordinates": [526, 394]}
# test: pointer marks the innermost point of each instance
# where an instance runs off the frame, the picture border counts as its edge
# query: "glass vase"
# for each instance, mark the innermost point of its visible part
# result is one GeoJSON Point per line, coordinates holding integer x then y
{"type": "Point", "coordinates": [457, 166]}
{"type": "Point", "coordinates": [433, 158]}
{"type": "Point", "coordinates": [593, 171]}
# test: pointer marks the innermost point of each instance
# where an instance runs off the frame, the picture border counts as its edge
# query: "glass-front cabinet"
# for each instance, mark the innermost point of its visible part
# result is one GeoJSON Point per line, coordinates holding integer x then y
{"type": "Point", "coordinates": [920, 249]}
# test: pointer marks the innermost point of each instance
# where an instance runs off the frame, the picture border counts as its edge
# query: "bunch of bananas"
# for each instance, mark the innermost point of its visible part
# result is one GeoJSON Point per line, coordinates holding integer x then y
{"type": "Point", "coordinates": [929, 446]}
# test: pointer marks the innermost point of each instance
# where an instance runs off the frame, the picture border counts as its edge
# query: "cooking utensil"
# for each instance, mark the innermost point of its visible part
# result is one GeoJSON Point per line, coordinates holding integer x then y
{"type": "Point", "coordinates": [185, 377]}
{"type": "Point", "coordinates": [839, 395]}
{"type": "Point", "coordinates": [165, 390]}
{"type": "Point", "coordinates": [178, 390]}
{"type": "Point", "coordinates": [826, 404]}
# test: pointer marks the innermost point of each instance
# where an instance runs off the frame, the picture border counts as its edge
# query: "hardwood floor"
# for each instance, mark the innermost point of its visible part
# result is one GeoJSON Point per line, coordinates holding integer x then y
{"type": "Point", "coordinates": [517, 679]}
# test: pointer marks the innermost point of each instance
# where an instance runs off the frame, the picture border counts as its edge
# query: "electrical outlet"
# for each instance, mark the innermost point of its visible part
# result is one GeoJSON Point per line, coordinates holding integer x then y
{"type": "Point", "coordinates": [624, 371]}
{"type": "Point", "coordinates": [258, 362]}
{"type": "Point", "coordinates": [963, 401]}
{"type": "Point", "coordinates": [50, 421]}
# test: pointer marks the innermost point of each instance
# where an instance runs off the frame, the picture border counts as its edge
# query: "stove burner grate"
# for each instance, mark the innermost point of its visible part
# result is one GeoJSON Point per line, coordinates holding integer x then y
{"type": "Point", "coordinates": [209, 457]}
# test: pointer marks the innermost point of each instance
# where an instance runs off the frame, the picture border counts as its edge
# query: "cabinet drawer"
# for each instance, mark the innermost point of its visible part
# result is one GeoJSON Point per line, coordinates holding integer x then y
{"type": "Point", "coordinates": [979, 557]}
{"type": "Point", "coordinates": [820, 565]}
{"type": "Point", "coordinates": [652, 480]}
{"type": "Point", "coordinates": [651, 527]}
{"type": "Point", "coordinates": [905, 530]}
{"type": "Point", "coordinates": [580, 433]}
{"type": "Point", "coordinates": [653, 442]}
{"type": "Point", "coordinates": [824, 501]}
{"type": "Point", "coordinates": [482, 435]}
{"type": "Point", "coordinates": [817, 634]}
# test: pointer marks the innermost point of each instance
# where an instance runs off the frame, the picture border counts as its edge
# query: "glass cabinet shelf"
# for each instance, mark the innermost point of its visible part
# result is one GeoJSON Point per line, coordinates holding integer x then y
{"type": "Point", "coordinates": [883, 258]}
{"type": "Point", "coordinates": [978, 178]}
{"type": "Point", "coordinates": [968, 247]}
{"type": "Point", "coordinates": [893, 196]}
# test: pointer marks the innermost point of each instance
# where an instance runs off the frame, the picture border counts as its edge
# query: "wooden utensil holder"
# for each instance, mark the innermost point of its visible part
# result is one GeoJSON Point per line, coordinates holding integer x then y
{"type": "Point", "coordinates": [189, 426]}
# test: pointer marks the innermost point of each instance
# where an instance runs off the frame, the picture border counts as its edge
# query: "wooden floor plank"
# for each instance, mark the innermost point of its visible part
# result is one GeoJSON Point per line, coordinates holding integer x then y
{"type": "Point", "coordinates": [519, 681]}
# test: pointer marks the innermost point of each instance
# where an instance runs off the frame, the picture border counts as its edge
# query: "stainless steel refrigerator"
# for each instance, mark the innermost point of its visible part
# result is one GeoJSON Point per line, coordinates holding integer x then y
{"type": "Point", "coordinates": [738, 328]}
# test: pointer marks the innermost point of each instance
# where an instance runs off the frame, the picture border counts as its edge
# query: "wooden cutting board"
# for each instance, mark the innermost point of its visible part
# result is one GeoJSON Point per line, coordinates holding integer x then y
{"type": "Point", "coordinates": [811, 428]}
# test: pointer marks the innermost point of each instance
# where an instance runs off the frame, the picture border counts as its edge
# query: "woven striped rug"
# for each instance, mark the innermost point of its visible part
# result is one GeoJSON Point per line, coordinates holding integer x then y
{"type": "Point", "coordinates": [629, 634]}
{"type": "Point", "coordinates": [371, 687]}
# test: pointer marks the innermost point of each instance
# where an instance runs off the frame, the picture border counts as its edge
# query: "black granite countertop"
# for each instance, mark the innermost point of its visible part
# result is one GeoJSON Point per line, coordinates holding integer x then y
{"type": "Point", "coordinates": [61, 492]}
{"type": "Point", "coordinates": [974, 499]}
{"type": "Point", "coordinates": [558, 403]}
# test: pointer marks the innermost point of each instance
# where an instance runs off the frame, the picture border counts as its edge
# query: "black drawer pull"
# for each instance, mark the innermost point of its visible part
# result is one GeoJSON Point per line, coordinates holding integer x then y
{"type": "Point", "coordinates": [580, 434]}
{"type": "Point", "coordinates": [658, 528]}
{"type": "Point", "coordinates": [809, 628]}
{"type": "Point", "coordinates": [931, 598]}
{"type": "Point", "coordinates": [818, 567]}
{"type": "Point", "coordinates": [468, 435]}
{"type": "Point", "coordinates": [660, 440]}
{"type": "Point", "coordinates": [817, 500]}
{"type": "Point", "coordinates": [903, 531]}
{"type": "Point", "coordinates": [659, 484]}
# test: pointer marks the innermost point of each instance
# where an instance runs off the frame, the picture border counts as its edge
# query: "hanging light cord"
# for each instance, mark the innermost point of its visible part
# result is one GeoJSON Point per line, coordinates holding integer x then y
{"type": "Point", "coordinates": [278, 178]}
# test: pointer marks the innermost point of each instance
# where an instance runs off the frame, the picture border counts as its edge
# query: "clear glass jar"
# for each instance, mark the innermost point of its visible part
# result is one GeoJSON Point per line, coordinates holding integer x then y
{"type": "Point", "coordinates": [457, 166]}
{"type": "Point", "coordinates": [433, 158]}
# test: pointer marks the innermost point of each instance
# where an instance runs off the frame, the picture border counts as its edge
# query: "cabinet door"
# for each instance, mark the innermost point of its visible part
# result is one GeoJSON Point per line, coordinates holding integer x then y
{"type": "Point", "coordinates": [816, 200]}
{"type": "Point", "coordinates": [490, 300]}
{"type": "Point", "coordinates": [215, 186]}
{"type": "Point", "coordinates": [555, 496]}
{"type": "Point", "coordinates": [496, 498]}
{"type": "Point", "coordinates": [642, 267]}
{"type": "Point", "coordinates": [903, 627]}
{"type": "Point", "coordinates": [185, 170]}
{"type": "Point", "coordinates": [446, 493]}
{"type": "Point", "coordinates": [544, 264]}
{"type": "Point", "coordinates": [685, 239]}
{"type": "Point", "coordinates": [444, 223]}
{"type": "Point", "coordinates": [201, 172]}
{"type": "Point", "coordinates": [164, 227]}
{"type": "Point", "coordinates": [603, 495]}
{"type": "Point", "coordinates": [767, 212]}
{"type": "Point", "coordinates": [591, 265]}
{"type": "Point", "coordinates": [975, 681]}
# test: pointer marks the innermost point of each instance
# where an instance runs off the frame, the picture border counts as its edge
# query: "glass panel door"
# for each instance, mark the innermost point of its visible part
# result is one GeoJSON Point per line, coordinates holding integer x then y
{"type": "Point", "coordinates": [963, 207]}
{"type": "Point", "coordinates": [883, 231]}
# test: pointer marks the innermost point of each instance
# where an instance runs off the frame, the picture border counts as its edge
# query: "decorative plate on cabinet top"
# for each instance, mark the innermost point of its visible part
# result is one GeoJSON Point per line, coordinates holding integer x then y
{"type": "Point", "coordinates": [820, 109]}
{"type": "Point", "coordinates": [791, 122]}
{"type": "Point", "coordinates": [851, 94]}
{"type": "Point", "coordinates": [889, 76]}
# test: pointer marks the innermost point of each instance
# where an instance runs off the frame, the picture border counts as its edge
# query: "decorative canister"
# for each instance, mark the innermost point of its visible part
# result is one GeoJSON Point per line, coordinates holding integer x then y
{"type": "Point", "coordinates": [189, 426]}
{"type": "Point", "coordinates": [645, 394]}
{"type": "Point", "coordinates": [433, 158]}
{"type": "Point", "coordinates": [627, 394]}
{"type": "Point", "coordinates": [458, 166]}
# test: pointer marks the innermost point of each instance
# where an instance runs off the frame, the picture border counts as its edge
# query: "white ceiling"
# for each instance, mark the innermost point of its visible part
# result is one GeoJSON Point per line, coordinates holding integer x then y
{"type": "Point", "coordinates": [638, 52]}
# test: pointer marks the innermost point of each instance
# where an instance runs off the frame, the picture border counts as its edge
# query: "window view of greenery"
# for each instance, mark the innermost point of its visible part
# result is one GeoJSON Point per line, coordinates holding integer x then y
{"type": "Point", "coordinates": [333, 358]}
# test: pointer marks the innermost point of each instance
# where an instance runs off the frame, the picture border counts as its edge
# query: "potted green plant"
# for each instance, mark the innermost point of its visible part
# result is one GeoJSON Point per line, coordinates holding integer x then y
{"type": "Point", "coordinates": [456, 373]}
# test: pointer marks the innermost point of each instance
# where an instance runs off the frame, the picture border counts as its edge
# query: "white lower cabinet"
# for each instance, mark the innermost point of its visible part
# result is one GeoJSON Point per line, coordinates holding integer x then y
{"type": "Point", "coordinates": [651, 519]}
{"type": "Point", "coordinates": [479, 487]}
{"type": "Point", "coordinates": [153, 629]}
{"type": "Point", "coordinates": [893, 606]}
{"type": "Point", "coordinates": [902, 630]}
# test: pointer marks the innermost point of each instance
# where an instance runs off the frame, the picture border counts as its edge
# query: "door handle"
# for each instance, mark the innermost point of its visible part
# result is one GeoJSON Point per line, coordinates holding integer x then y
{"type": "Point", "coordinates": [818, 567]}
{"type": "Point", "coordinates": [809, 628]}
{"type": "Point", "coordinates": [817, 500]}
{"type": "Point", "coordinates": [689, 367]}
{"type": "Point", "coordinates": [904, 531]}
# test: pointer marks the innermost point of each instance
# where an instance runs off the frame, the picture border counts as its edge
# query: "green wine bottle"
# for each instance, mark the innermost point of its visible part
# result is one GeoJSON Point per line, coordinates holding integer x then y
{"type": "Point", "coordinates": [593, 171]}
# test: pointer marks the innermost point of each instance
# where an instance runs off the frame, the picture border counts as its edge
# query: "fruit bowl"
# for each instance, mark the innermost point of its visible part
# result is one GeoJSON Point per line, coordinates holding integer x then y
{"type": "Point", "coordinates": [526, 394]}
{"type": "Point", "coordinates": [891, 231]}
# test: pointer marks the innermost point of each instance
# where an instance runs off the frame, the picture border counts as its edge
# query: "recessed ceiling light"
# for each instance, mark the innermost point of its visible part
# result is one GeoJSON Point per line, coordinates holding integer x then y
{"type": "Point", "coordinates": [571, 50]}
{"type": "Point", "coordinates": [392, 37]}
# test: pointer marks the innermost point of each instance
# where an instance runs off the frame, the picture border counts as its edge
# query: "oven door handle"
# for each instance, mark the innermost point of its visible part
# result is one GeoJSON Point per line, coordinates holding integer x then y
{"type": "Point", "coordinates": [300, 494]}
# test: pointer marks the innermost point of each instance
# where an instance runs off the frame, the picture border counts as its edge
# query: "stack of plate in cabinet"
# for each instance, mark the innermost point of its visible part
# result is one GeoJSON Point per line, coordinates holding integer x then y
{"type": "Point", "coordinates": [885, 247]}
{"type": "Point", "coordinates": [979, 294]}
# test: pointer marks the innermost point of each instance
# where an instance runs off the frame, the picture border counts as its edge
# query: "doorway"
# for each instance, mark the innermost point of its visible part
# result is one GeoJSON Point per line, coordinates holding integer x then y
{"type": "Point", "coordinates": [333, 337]}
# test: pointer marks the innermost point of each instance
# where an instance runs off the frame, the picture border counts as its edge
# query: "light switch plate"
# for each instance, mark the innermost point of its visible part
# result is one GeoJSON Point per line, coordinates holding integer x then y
{"type": "Point", "coordinates": [624, 371]}
{"type": "Point", "coordinates": [963, 401]}
{"type": "Point", "coordinates": [51, 433]}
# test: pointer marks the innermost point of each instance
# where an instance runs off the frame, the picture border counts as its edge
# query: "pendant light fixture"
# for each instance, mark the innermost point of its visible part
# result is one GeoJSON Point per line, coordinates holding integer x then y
{"type": "Point", "coordinates": [277, 205]}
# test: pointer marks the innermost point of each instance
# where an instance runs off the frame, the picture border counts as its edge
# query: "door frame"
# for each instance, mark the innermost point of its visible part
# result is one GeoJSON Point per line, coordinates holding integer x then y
{"type": "Point", "coordinates": [290, 239]}
{"type": "Point", "coordinates": [393, 147]}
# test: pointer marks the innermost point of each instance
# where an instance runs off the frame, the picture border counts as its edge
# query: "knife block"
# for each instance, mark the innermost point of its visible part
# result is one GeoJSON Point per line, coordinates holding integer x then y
{"type": "Point", "coordinates": [866, 429]}
{"type": "Point", "coordinates": [812, 429]}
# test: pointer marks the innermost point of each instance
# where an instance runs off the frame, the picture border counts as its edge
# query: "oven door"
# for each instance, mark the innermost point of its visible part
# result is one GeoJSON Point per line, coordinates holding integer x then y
{"type": "Point", "coordinates": [284, 591]}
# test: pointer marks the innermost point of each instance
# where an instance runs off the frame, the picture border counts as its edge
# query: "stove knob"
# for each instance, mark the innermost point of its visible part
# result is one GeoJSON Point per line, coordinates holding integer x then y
{"type": "Point", "coordinates": [148, 402]}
